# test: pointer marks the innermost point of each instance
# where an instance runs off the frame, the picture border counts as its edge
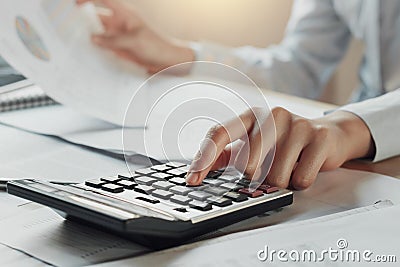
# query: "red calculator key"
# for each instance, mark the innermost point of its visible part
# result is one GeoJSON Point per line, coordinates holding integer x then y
{"type": "Point", "coordinates": [268, 189]}
{"type": "Point", "coordinates": [252, 194]}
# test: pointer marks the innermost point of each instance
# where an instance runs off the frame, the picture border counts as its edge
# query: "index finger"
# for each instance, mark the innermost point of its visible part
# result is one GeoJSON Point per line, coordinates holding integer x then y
{"type": "Point", "coordinates": [214, 144]}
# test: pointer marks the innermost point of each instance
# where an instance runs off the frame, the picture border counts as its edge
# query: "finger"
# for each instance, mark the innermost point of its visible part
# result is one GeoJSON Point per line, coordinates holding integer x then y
{"type": "Point", "coordinates": [311, 160]}
{"type": "Point", "coordinates": [261, 140]}
{"type": "Point", "coordinates": [80, 2]}
{"type": "Point", "coordinates": [214, 144]}
{"type": "Point", "coordinates": [289, 145]}
{"type": "Point", "coordinates": [120, 42]}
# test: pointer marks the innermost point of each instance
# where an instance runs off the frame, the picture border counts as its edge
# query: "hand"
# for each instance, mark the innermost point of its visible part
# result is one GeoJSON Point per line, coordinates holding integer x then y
{"type": "Point", "coordinates": [130, 38]}
{"type": "Point", "coordinates": [303, 147]}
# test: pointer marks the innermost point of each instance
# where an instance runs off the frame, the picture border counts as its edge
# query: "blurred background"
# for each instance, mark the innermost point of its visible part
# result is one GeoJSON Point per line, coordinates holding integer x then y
{"type": "Point", "coordinates": [241, 22]}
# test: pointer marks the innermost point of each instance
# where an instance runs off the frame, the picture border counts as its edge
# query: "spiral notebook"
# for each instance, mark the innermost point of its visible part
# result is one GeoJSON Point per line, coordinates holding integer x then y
{"type": "Point", "coordinates": [24, 97]}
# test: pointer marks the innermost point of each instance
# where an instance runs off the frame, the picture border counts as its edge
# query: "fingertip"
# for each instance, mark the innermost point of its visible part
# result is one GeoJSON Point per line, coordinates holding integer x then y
{"type": "Point", "coordinates": [193, 178]}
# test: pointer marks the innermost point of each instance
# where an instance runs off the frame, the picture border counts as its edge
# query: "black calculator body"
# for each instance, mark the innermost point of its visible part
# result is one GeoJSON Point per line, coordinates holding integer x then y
{"type": "Point", "coordinates": [153, 206]}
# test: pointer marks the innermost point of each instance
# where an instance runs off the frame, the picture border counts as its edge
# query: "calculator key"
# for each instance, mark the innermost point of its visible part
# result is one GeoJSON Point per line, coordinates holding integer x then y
{"type": "Point", "coordinates": [231, 186]}
{"type": "Point", "coordinates": [127, 184]}
{"type": "Point", "coordinates": [228, 178]}
{"type": "Point", "coordinates": [113, 188]}
{"type": "Point", "coordinates": [176, 164]}
{"type": "Point", "coordinates": [145, 171]}
{"type": "Point", "coordinates": [178, 181]}
{"type": "Point", "coordinates": [161, 168]}
{"type": "Point", "coordinates": [251, 194]}
{"type": "Point", "coordinates": [244, 182]}
{"type": "Point", "coordinates": [268, 189]}
{"type": "Point", "coordinates": [148, 199]}
{"type": "Point", "coordinates": [214, 182]}
{"type": "Point", "coordinates": [126, 176]}
{"type": "Point", "coordinates": [144, 189]}
{"type": "Point", "coordinates": [164, 185]}
{"type": "Point", "coordinates": [199, 195]}
{"type": "Point", "coordinates": [180, 190]}
{"type": "Point", "coordinates": [203, 206]}
{"type": "Point", "coordinates": [111, 179]}
{"type": "Point", "coordinates": [184, 168]}
{"type": "Point", "coordinates": [162, 194]}
{"type": "Point", "coordinates": [95, 183]}
{"type": "Point", "coordinates": [214, 174]}
{"type": "Point", "coordinates": [216, 191]}
{"type": "Point", "coordinates": [145, 180]}
{"type": "Point", "coordinates": [161, 176]}
{"type": "Point", "coordinates": [219, 201]}
{"type": "Point", "coordinates": [236, 197]}
{"type": "Point", "coordinates": [177, 172]}
{"type": "Point", "coordinates": [181, 200]}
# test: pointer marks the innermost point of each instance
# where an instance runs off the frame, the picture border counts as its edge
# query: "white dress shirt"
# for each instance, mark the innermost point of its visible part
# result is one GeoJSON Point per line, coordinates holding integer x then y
{"type": "Point", "coordinates": [316, 39]}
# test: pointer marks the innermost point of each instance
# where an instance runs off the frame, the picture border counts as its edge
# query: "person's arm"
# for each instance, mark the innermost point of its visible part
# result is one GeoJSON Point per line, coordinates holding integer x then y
{"type": "Point", "coordinates": [303, 147]}
{"type": "Point", "coordinates": [315, 41]}
{"type": "Point", "coordinates": [369, 129]}
{"type": "Point", "coordinates": [382, 116]}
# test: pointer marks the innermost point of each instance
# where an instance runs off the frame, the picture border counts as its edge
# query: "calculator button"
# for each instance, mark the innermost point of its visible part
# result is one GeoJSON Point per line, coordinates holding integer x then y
{"type": "Point", "coordinates": [180, 190]}
{"type": "Point", "coordinates": [236, 197]}
{"type": "Point", "coordinates": [231, 186]}
{"type": "Point", "coordinates": [268, 189]}
{"type": "Point", "coordinates": [148, 199]}
{"type": "Point", "coordinates": [182, 200]}
{"type": "Point", "coordinates": [126, 176]}
{"type": "Point", "coordinates": [214, 182]}
{"type": "Point", "coordinates": [112, 188]}
{"type": "Point", "coordinates": [228, 178]}
{"type": "Point", "coordinates": [145, 171]}
{"type": "Point", "coordinates": [163, 185]}
{"type": "Point", "coordinates": [145, 180]}
{"type": "Point", "coordinates": [144, 189]}
{"type": "Point", "coordinates": [243, 182]}
{"type": "Point", "coordinates": [161, 176]}
{"type": "Point", "coordinates": [127, 184]}
{"type": "Point", "coordinates": [162, 194]}
{"type": "Point", "coordinates": [214, 174]}
{"type": "Point", "coordinates": [184, 168]}
{"type": "Point", "coordinates": [110, 179]}
{"type": "Point", "coordinates": [216, 191]}
{"type": "Point", "coordinates": [95, 183]}
{"type": "Point", "coordinates": [199, 195]}
{"type": "Point", "coordinates": [203, 206]}
{"type": "Point", "coordinates": [178, 181]}
{"type": "Point", "coordinates": [253, 194]}
{"type": "Point", "coordinates": [161, 168]}
{"type": "Point", "coordinates": [177, 172]}
{"type": "Point", "coordinates": [219, 201]}
{"type": "Point", "coordinates": [176, 164]}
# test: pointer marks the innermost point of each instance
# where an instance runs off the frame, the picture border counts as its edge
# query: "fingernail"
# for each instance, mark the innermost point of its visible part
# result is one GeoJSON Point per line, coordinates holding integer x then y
{"type": "Point", "coordinates": [192, 178]}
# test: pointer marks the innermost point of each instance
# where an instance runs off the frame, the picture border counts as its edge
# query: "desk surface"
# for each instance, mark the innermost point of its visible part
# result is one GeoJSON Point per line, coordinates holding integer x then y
{"type": "Point", "coordinates": [390, 167]}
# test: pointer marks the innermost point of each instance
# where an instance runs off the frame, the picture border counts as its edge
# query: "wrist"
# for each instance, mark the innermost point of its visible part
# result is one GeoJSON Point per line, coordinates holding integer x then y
{"type": "Point", "coordinates": [357, 139]}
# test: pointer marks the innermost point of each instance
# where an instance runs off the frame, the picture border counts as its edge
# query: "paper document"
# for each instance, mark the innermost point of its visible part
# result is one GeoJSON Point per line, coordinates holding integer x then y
{"type": "Point", "coordinates": [161, 142]}
{"type": "Point", "coordinates": [357, 230]}
{"type": "Point", "coordinates": [42, 233]}
{"type": "Point", "coordinates": [49, 42]}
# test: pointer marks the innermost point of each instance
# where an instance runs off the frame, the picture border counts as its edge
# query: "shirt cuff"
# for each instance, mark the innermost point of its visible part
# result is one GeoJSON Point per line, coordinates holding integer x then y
{"type": "Point", "coordinates": [382, 117]}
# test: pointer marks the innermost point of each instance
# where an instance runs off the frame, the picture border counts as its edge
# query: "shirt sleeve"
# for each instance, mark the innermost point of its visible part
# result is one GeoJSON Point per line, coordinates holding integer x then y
{"type": "Point", "coordinates": [382, 116]}
{"type": "Point", "coordinates": [315, 41]}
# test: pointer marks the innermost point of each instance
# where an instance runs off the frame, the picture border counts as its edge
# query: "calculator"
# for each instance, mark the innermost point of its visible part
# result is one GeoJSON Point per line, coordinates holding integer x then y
{"type": "Point", "coordinates": [153, 206]}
